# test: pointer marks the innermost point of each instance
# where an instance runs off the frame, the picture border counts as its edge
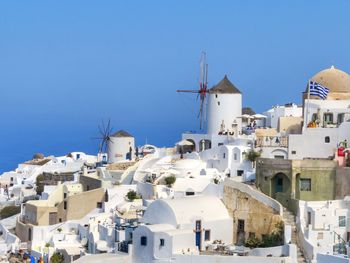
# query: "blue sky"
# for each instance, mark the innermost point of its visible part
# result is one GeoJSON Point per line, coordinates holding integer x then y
{"type": "Point", "coordinates": [65, 65]}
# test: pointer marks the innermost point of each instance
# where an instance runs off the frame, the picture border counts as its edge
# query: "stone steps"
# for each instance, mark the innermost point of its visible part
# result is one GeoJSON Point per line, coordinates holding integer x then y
{"type": "Point", "coordinates": [289, 219]}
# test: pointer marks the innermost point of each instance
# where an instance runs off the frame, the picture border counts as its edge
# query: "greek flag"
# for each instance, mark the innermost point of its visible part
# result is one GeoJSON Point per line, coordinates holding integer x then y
{"type": "Point", "coordinates": [316, 89]}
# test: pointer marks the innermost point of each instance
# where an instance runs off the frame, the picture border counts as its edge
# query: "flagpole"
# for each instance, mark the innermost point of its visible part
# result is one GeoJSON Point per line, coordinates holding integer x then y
{"type": "Point", "coordinates": [307, 106]}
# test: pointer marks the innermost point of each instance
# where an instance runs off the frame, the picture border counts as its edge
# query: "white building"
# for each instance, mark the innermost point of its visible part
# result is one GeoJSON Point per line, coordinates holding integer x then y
{"type": "Point", "coordinates": [180, 226]}
{"type": "Point", "coordinates": [121, 147]}
{"type": "Point", "coordinates": [326, 122]}
{"type": "Point", "coordinates": [273, 115]}
{"type": "Point", "coordinates": [324, 227]}
{"type": "Point", "coordinates": [224, 109]}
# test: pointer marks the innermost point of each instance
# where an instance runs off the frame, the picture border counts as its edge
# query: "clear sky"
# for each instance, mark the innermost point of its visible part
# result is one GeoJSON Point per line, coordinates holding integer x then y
{"type": "Point", "coordinates": [66, 65]}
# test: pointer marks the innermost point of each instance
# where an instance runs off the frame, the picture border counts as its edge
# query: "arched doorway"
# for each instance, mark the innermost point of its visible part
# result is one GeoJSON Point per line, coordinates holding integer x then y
{"type": "Point", "coordinates": [280, 183]}
{"type": "Point", "coordinates": [204, 145]}
{"type": "Point", "coordinates": [190, 148]}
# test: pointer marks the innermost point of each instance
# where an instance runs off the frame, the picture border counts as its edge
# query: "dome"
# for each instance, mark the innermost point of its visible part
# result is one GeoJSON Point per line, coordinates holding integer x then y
{"type": "Point", "coordinates": [336, 80]}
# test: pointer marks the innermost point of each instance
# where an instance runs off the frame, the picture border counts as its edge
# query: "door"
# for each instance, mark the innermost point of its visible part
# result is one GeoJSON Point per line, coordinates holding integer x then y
{"type": "Point", "coordinates": [52, 218]}
{"type": "Point", "coordinates": [198, 234]}
{"type": "Point", "coordinates": [240, 232]}
{"type": "Point", "coordinates": [279, 185]}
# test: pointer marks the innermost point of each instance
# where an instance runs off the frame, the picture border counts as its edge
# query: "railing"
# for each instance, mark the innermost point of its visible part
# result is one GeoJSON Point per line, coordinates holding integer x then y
{"type": "Point", "coordinates": [271, 141]}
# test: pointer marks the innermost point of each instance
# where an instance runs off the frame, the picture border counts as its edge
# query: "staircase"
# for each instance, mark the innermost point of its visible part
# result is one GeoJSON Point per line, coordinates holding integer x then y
{"type": "Point", "coordinates": [289, 219]}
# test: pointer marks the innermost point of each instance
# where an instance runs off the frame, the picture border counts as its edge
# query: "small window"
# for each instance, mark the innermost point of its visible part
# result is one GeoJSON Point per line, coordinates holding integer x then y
{"type": "Point", "coordinates": [328, 118]}
{"type": "Point", "coordinates": [305, 184]}
{"type": "Point", "coordinates": [206, 235]}
{"type": "Point", "coordinates": [218, 103]}
{"type": "Point", "coordinates": [143, 241]}
{"type": "Point", "coordinates": [198, 225]}
{"type": "Point", "coordinates": [224, 155]}
{"type": "Point", "coordinates": [60, 220]}
{"type": "Point", "coordinates": [220, 144]}
{"type": "Point", "coordinates": [189, 193]}
{"type": "Point", "coordinates": [279, 157]}
{"type": "Point", "coordinates": [65, 205]}
{"type": "Point", "coordinates": [342, 221]}
{"type": "Point", "coordinates": [327, 139]}
{"type": "Point", "coordinates": [99, 204]}
{"type": "Point", "coordinates": [314, 117]}
{"type": "Point", "coordinates": [216, 95]}
{"type": "Point", "coordinates": [294, 152]}
{"type": "Point", "coordinates": [78, 156]}
{"type": "Point", "coordinates": [11, 179]}
{"type": "Point", "coordinates": [240, 172]}
{"type": "Point", "coordinates": [240, 226]}
{"type": "Point", "coordinates": [235, 156]}
{"type": "Point", "coordinates": [162, 242]}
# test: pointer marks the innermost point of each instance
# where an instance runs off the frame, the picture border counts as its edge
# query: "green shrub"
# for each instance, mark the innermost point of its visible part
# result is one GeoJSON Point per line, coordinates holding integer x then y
{"type": "Point", "coordinates": [170, 180]}
{"type": "Point", "coordinates": [40, 184]}
{"type": "Point", "coordinates": [132, 195]}
{"type": "Point", "coordinates": [57, 258]}
{"type": "Point", "coordinates": [9, 211]}
{"type": "Point", "coordinates": [253, 242]}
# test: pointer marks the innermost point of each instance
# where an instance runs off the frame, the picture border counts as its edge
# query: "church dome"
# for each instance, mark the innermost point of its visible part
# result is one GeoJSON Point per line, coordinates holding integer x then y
{"type": "Point", "coordinates": [334, 79]}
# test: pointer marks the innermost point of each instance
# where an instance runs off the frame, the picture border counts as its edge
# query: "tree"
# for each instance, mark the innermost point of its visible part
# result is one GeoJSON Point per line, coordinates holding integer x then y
{"type": "Point", "coordinates": [132, 195]}
{"type": "Point", "coordinates": [252, 156]}
{"type": "Point", "coordinates": [40, 184]}
{"type": "Point", "coordinates": [57, 258]}
{"type": "Point", "coordinates": [9, 211]}
{"type": "Point", "coordinates": [170, 180]}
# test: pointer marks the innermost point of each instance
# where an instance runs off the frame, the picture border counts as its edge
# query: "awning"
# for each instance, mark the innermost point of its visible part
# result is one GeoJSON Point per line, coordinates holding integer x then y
{"type": "Point", "coordinates": [184, 143]}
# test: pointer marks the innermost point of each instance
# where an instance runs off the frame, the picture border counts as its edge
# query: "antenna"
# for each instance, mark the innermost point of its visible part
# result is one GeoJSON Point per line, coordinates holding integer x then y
{"type": "Point", "coordinates": [202, 91]}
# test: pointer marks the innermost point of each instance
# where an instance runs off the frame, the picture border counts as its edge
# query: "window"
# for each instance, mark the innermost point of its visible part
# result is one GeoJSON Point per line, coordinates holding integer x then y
{"type": "Point", "coordinates": [189, 193]}
{"type": "Point", "coordinates": [11, 179]}
{"type": "Point", "coordinates": [99, 204]}
{"type": "Point", "coordinates": [342, 221]}
{"type": "Point", "coordinates": [294, 152]}
{"type": "Point", "coordinates": [216, 95]}
{"type": "Point", "coordinates": [314, 117]}
{"type": "Point", "coordinates": [240, 226]}
{"type": "Point", "coordinates": [224, 155]}
{"type": "Point", "coordinates": [143, 241]}
{"type": "Point", "coordinates": [327, 139]}
{"type": "Point", "coordinates": [220, 144]}
{"type": "Point", "coordinates": [162, 242]}
{"type": "Point", "coordinates": [78, 156]}
{"type": "Point", "coordinates": [279, 157]}
{"type": "Point", "coordinates": [206, 235]}
{"type": "Point", "coordinates": [340, 118]}
{"type": "Point", "coordinates": [198, 225]}
{"type": "Point", "coordinates": [65, 205]}
{"type": "Point", "coordinates": [305, 184]}
{"type": "Point", "coordinates": [328, 118]}
{"type": "Point", "coordinates": [235, 156]}
{"type": "Point", "coordinates": [240, 172]}
{"type": "Point", "coordinates": [218, 103]}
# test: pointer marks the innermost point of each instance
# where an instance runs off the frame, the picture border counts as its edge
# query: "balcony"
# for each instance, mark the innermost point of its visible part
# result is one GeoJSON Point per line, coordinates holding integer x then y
{"type": "Point", "coordinates": [271, 141]}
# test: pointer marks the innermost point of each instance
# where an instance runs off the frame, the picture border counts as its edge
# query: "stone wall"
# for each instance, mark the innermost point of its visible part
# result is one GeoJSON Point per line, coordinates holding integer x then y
{"type": "Point", "coordinates": [342, 182]}
{"type": "Point", "coordinates": [259, 218]}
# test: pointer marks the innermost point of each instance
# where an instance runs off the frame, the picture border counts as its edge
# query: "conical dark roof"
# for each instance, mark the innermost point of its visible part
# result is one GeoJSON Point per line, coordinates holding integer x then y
{"type": "Point", "coordinates": [224, 86]}
{"type": "Point", "coordinates": [121, 133]}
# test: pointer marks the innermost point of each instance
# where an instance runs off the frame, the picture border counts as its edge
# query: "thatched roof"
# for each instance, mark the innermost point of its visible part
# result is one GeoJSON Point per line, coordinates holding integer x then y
{"type": "Point", "coordinates": [121, 133]}
{"type": "Point", "coordinates": [225, 86]}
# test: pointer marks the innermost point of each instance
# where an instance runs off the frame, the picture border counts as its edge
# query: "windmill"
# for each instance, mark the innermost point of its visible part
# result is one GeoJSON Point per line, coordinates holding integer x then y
{"type": "Point", "coordinates": [202, 91]}
{"type": "Point", "coordinates": [105, 132]}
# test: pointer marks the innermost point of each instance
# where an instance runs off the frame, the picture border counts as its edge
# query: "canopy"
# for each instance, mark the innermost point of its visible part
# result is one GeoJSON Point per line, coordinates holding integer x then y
{"type": "Point", "coordinates": [184, 143]}
{"type": "Point", "coordinates": [259, 116]}
{"type": "Point", "coordinates": [247, 116]}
